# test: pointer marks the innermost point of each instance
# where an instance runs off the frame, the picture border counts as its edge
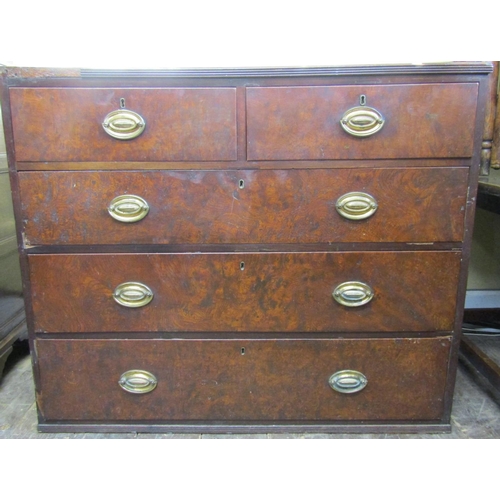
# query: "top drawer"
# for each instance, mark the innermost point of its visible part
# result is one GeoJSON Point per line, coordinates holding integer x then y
{"type": "Point", "coordinates": [304, 123]}
{"type": "Point", "coordinates": [181, 124]}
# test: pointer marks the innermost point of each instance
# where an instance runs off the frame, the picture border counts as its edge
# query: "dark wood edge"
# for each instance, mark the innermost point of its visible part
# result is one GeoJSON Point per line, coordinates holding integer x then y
{"type": "Point", "coordinates": [409, 69]}
{"type": "Point", "coordinates": [351, 428]}
{"type": "Point", "coordinates": [16, 317]}
{"type": "Point", "coordinates": [480, 361]}
{"type": "Point", "coordinates": [19, 332]}
{"type": "Point", "coordinates": [467, 242]}
{"type": "Point", "coordinates": [405, 69]}
{"type": "Point", "coordinates": [246, 248]}
{"type": "Point", "coordinates": [161, 336]}
{"type": "Point", "coordinates": [361, 70]}
{"type": "Point", "coordinates": [488, 188]}
{"type": "Point", "coordinates": [243, 164]}
{"type": "Point", "coordinates": [16, 198]}
{"type": "Point", "coordinates": [488, 197]}
{"type": "Point", "coordinates": [489, 317]}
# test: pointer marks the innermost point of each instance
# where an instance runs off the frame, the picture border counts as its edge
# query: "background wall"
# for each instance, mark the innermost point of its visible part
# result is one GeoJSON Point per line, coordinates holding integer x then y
{"type": "Point", "coordinates": [484, 268]}
{"type": "Point", "coordinates": [10, 272]}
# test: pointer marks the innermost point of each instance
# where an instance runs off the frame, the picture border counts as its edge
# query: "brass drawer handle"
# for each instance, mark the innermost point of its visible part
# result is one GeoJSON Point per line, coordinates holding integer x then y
{"type": "Point", "coordinates": [124, 124]}
{"type": "Point", "coordinates": [138, 381]}
{"type": "Point", "coordinates": [348, 381]}
{"type": "Point", "coordinates": [362, 121]}
{"type": "Point", "coordinates": [128, 208]}
{"type": "Point", "coordinates": [356, 206]}
{"type": "Point", "coordinates": [132, 294]}
{"type": "Point", "coordinates": [353, 293]}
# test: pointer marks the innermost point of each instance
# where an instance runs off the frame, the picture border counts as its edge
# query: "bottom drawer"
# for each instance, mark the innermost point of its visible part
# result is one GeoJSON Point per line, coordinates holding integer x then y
{"type": "Point", "coordinates": [242, 380]}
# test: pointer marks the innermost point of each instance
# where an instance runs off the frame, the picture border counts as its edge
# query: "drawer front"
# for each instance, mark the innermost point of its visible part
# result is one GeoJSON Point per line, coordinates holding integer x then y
{"type": "Point", "coordinates": [181, 124]}
{"type": "Point", "coordinates": [304, 123]}
{"type": "Point", "coordinates": [241, 380]}
{"type": "Point", "coordinates": [275, 206]}
{"type": "Point", "coordinates": [261, 292]}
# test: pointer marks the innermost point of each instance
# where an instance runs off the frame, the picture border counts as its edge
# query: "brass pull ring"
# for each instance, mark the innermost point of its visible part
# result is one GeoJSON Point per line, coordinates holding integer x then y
{"type": "Point", "coordinates": [356, 206]}
{"type": "Point", "coordinates": [132, 294]}
{"type": "Point", "coordinates": [123, 124]}
{"type": "Point", "coordinates": [362, 121]}
{"type": "Point", "coordinates": [138, 381]}
{"type": "Point", "coordinates": [128, 208]}
{"type": "Point", "coordinates": [348, 381]}
{"type": "Point", "coordinates": [353, 294]}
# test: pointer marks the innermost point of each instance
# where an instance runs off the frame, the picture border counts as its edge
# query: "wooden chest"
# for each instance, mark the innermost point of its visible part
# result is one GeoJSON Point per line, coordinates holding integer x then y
{"type": "Point", "coordinates": [245, 250]}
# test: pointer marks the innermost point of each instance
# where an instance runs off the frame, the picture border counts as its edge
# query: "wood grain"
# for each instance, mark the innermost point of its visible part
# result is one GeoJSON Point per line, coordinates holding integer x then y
{"type": "Point", "coordinates": [248, 267]}
{"type": "Point", "coordinates": [275, 292]}
{"type": "Point", "coordinates": [301, 123]}
{"type": "Point", "coordinates": [277, 206]}
{"type": "Point", "coordinates": [64, 124]}
{"type": "Point", "coordinates": [279, 380]}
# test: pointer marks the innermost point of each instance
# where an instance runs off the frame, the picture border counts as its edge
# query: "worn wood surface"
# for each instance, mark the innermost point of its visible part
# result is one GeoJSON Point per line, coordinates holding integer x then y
{"type": "Point", "coordinates": [299, 123]}
{"type": "Point", "coordinates": [181, 124]}
{"type": "Point", "coordinates": [416, 296]}
{"type": "Point", "coordinates": [475, 415]}
{"type": "Point", "coordinates": [238, 207]}
{"type": "Point", "coordinates": [239, 164]}
{"type": "Point", "coordinates": [212, 380]}
{"type": "Point", "coordinates": [276, 292]}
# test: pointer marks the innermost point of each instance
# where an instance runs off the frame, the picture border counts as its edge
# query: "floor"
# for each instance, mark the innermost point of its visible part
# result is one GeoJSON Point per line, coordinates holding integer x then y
{"type": "Point", "coordinates": [476, 411]}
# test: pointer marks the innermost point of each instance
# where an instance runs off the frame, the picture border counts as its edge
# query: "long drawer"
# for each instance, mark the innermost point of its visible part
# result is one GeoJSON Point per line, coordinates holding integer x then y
{"type": "Point", "coordinates": [243, 380]}
{"type": "Point", "coordinates": [236, 207]}
{"type": "Point", "coordinates": [388, 121]}
{"type": "Point", "coordinates": [251, 292]}
{"type": "Point", "coordinates": [140, 124]}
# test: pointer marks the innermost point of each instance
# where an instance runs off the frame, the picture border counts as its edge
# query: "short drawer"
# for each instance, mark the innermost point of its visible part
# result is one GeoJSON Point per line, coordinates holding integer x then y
{"type": "Point", "coordinates": [237, 207]}
{"type": "Point", "coordinates": [245, 292]}
{"type": "Point", "coordinates": [242, 380]}
{"type": "Point", "coordinates": [388, 121]}
{"type": "Point", "coordinates": [74, 124]}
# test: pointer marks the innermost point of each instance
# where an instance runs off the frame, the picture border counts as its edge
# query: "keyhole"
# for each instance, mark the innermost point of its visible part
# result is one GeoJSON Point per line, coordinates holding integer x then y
{"type": "Point", "coordinates": [362, 99]}
{"type": "Point", "coordinates": [241, 184]}
{"type": "Point", "coordinates": [122, 102]}
{"type": "Point", "coordinates": [242, 266]}
{"type": "Point", "coordinates": [242, 351]}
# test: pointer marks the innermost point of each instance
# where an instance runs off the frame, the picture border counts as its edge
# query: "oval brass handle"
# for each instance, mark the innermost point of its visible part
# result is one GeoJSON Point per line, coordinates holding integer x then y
{"type": "Point", "coordinates": [362, 121]}
{"type": "Point", "coordinates": [353, 294]}
{"type": "Point", "coordinates": [348, 381]}
{"type": "Point", "coordinates": [356, 206]}
{"type": "Point", "coordinates": [138, 381]}
{"type": "Point", "coordinates": [123, 124]}
{"type": "Point", "coordinates": [132, 294]}
{"type": "Point", "coordinates": [128, 208]}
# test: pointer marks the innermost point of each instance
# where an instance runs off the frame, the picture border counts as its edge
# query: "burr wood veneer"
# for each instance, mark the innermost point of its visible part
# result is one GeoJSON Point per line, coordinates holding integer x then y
{"type": "Point", "coordinates": [245, 250]}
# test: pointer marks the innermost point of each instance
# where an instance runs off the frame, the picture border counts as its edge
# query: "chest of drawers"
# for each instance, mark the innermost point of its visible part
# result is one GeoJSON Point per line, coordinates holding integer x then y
{"type": "Point", "coordinates": [245, 250]}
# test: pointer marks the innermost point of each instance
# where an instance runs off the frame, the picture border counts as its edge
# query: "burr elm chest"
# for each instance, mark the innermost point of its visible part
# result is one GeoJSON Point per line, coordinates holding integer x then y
{"type": "Point", "coordinates": [245, 249]}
